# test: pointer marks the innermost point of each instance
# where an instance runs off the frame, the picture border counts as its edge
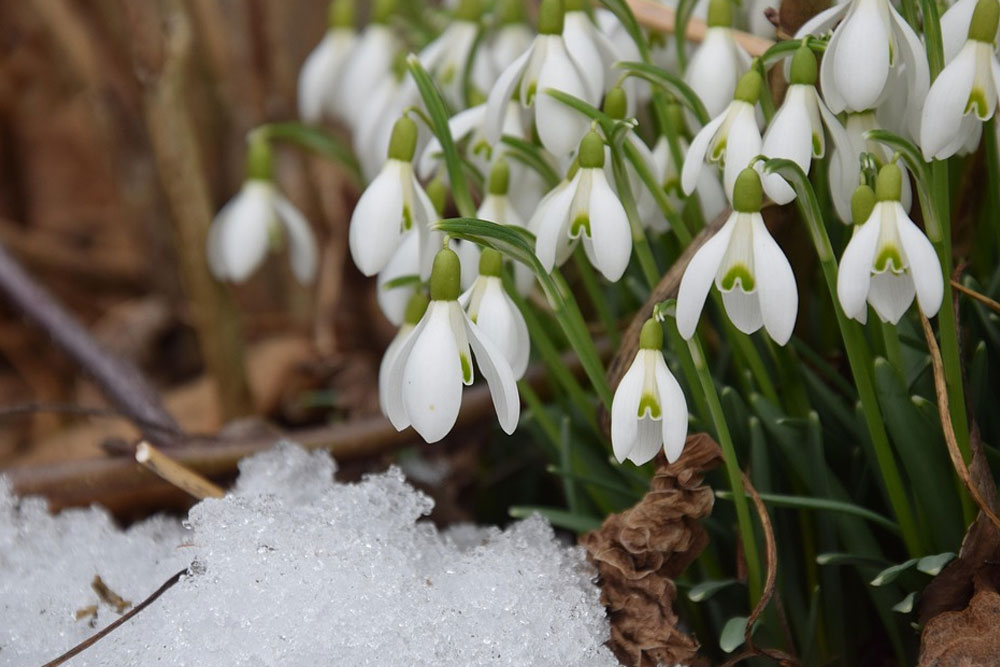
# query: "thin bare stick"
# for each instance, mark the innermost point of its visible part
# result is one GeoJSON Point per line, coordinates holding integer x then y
{"type": "Point", "coordinates": [119, 380]}
{"type": "Point", "coordinates": [93, 639]}
{"type": "Point", "coordinates": [663, 18]}
{"type": "Point", "coordinates": [172, 471]}
{"type": "Point", "coordinates": [976, 296]}
{"type": "Point", "coordinates": [941, 389]}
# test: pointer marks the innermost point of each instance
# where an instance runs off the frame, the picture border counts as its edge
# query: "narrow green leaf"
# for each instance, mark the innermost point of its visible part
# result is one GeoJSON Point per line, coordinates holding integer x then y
{"type": "Point", "coordinates": [401, 281]}
{"type": "Point", "coordinates": [532, 156]}
{"type": "Point", "coordinates": [890, 574]}
{"type": "Point", "coordinates": [578, 523]}
{"type": "Point", "coordinates": [733, 634]}
{"type": "Point", "coordinates": [835, 558]}
{"type": "Point", "coordinates": [315, 139]}
{"type": "Point", "coordinates": [671, 83]}
{"type": "Point", "coordinates": [706, 589]}
{"type": "Point", "coordinates": [805, 502]}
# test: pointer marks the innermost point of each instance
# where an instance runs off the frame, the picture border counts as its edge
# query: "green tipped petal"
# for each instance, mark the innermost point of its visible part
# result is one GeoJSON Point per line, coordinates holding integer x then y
{"type": "Point", "coordinates": [889, 184]}
{"type": "Point", "coordinates": [748, 195]}
{"type": "Point", "coordinates": [416, 307]}
{"type": "Point", "coordinates": [591, 151]}
{"type": "Point", "coordinates": [651, 336]}
{"type": "Point", "coordinates": [446, 276]}
{"type": "Point", "coordinates": [862, 203]}
{"type": "Point", "coordinates": [403, 143]}
{"type": "Point", "coordinates": [550, 17]}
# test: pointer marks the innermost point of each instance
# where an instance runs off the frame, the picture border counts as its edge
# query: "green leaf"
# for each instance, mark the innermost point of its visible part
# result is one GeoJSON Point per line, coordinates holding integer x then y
{"type": "Point", "coordinates": [806, 502]}
{"type": "Point", "coordinates": [532, 156]}
{"type": "Point", "coordinates": [624, 14]}
{"type": "Point", "coordinates": [578, 523]}
{"type": "Point", "coordinates": [706, 589]}
{"type": "Point", "coordinates": [933, 565]}
{"type": "Point", "coordinates": [314, 139]}
{"type": "Point", "coordinates": [733, 634]}
{"type": "Point", "coordinates": [835, 558]}
{"type": "Point", "coordinates": [401, 281]}
{"type": "Point", "coordinates": [905, 606]}
{"type": "Point", "coordinates": [671, 83]}
{"type": "Point", "coordinates": [890, 574]}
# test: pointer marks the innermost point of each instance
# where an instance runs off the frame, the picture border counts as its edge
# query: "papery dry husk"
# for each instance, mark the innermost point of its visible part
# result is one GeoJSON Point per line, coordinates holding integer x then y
{"type": "Point", "coordinates": [640, 551]}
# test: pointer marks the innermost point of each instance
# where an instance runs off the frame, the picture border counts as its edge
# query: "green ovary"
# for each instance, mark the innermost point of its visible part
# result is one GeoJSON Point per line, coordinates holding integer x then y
{"type": "Point", "coordinates": [738, 274]}
{"type": "Point", "coordinates": [649, 404]}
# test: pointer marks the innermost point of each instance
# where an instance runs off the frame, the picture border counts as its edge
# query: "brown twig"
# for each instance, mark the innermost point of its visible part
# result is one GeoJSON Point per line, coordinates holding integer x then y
{"type": "Point", "coordinates": [976, 296]}
{"type": "Point", "coordinates": [662, 18]}
{"type": "Point", "coordinates": [93, 639]}
{"type": "Point", "coordinates": [941, 389]}
{"type": "Point", "coordinates": [118, 379]}
{"type": "Point", "coordinates": [183, 478]}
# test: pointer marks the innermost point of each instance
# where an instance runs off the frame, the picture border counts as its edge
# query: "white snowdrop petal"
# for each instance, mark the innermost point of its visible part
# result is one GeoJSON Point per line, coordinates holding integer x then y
{"type": "Point", "coordinates": [468, 256]}
{"type": "Point", "coordinates": [550, 223]}
{"type": "Point", "coordinates": [460, 125]}
{"type": "Point", "coordinates": [694, 161]}
{"type": "Point", "coordinates": [823, 22]}
{"type": "Point", "coordinates": [854, 273]}
{"type": "Point", "coordinates": [890, 295]}
{"type": "Point", "coordinates": [625, 409]}
{"type": "Point", "coordinates": [301, 242]}
{"type": "Point", "coordinates": [743, 144]}
{"type": "Point", "coordinates": [698, 278]}
{"type": "Point", "coordinates": [559, 127]}
{"type": "Point", "coordinates": [789, 136]}
{"type": "Point", "coordinates": [496, 320]}
{"type": "Point", "coordinates": [778, 296]}
{"type": "Point", "coordinates": [827, 78]}
{"type": "Point", "coordinates": [579, 35]}
{"type": "Point", "coordinates": [213, 247]}
{"type": "Point", "coordinates": [500, 94]}
{"type": "Point", "coordinates": [861, 56]}
{"type": "Point", "coordinates": [675, 413]}
{"type": "Point", "coordinates": [394, 407]}
{"type": "Point", "coordinates": [744, 309]}
{"type": "Point", "coordinates": [714, 71]}
{"type": "Point", "coordinates": [317, 71]}
{"type": "Point", "coordinates": [648, 440]}
{"type": "Point", "coordinates": [432, 377]}
{"type": "Point", "coordinates": [404, 262]}
{"type": "Point", "coordinates": [955, 27]}
{"type": "Point", "coordinates": [609, 229]}
{"type": "Point", "coordinates": [925, 269]}
{"type": "Point", "coordinates": [944, 108]}
{"type": "Point", "coordinates": [368, 64]}
{"type": "Point", "coordinates": [376, 223]}
{"type": "Point", "coordinates": [244, 237]}
{"type": "Point", "coordinates": [385, 367]}
{"type": "Point", "coordinates": [499, 377]}
{"type": "Point", "coordinates": [917, 74]}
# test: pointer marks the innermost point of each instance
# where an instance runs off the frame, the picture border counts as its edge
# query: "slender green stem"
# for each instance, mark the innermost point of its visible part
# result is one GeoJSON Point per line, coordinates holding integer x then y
{"type": "Point", "coordinates": [993, 175]}
{"type": "Point", "coordinates": [893, 350]}
{"type": "Point", "coordinates": [733, 470]}
{"type": "Point", "coordinates": [639, 241]}
{"type": "Point", "coordinates": [540, 413]}
{"type": "Point", "coordinates": [569, 484]}
{"type": "Point", "coordinates": [598, 300]}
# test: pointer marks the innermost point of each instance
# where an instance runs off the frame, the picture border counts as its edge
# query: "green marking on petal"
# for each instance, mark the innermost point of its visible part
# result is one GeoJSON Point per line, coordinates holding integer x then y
{"type": "Point", "coordinates": [466, 368]}
{"type": "Point", "coordinates": [977, 102]}
{"type": "Point", "coordinates": [407, 218]}
{"type": "Point", "coordinates": [274, 237]}
{"type": "Point", "coordinates": [889, 259]}
{"type": "Point", "coordinates": [718, 150]}
{"type": "Point", "coordinates": [649, 404]}
{"type": "Point", "coordinates": [738, 274]}
{"type": "Point", "coordinates": [817, 145]}
{"type": "Point", "coordinates": [448, 75]}
{"type": "Point", "coordinates": [672, 185]}
{"type": "Point", "coordinates": [483, 149]}
{"type": "Point", "coordinates": [532, 89]}
{"type": "Point", "coordinates": [581, 223]}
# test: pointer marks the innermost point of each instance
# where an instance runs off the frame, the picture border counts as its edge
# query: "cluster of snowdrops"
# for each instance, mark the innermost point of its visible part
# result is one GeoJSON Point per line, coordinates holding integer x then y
{"type": "Point", "coordinates": [543, 121]}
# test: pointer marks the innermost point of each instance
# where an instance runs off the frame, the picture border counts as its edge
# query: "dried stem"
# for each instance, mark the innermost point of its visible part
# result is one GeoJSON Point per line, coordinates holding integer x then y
{"type": "Point", "coordinates": [118, 379]}
{"type": "Point", "coordinates": [976, 296]}
{"type": "Point", "coordinates": [941, 389]}
{"type": "Point", "coordinates": [183, 478]}
{"type": "Point", "coordinates": [93, 639]}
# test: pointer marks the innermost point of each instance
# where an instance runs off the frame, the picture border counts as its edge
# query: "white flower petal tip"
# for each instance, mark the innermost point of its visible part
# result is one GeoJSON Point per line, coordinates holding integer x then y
{"type": "Point", "coordinates": [241, 233]}
{"type": "Point", "coordinates": [424, 379]}
{"type": "Point", "coordinates": [887, 262]}
{"type": "Point", "coordinates": [499, 319]}
{"type": "Point", "coordinates": [648, 411]}
{"type": "Point", "coordinates": [319, 80]}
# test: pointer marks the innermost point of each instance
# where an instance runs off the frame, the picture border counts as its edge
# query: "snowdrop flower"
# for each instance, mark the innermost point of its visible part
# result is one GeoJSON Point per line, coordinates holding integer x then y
{"type": "Point", "coordinates": [405, 261]}
{"type": "Point", "coordinates": [392, 204]}
{"type": "Point", "coordinates": [447, 56]}
{"type": "Point", "coordinates": [615, 106]}
{"type": "Point", "coordinates": [888, 260]}
{"type": "Point", "coordinates": [955, 24]}
{"type": "Point", "coordinates": [719, 62]}
{"type": "Point", "coordinates": [513, 37]}
{"type": "Point", "coordinates": [731, 138]}
{"type": "Point", "coordinates": [627, 50]}
{"type": "Point", "coordinates": [424, 381]}
{"type": "Point", "coordinates": [493, 311]}
{"type": "Point", "coordinates": [369, 63]}
{"type": "Point", "coordinates": [796, 131]}
{"type": "Point", "coordinates": [965, 92]}
{"type": "Point", "coordinates": [471, 123]}
{"type": "Point", "coordinates": [319, 80]}
{"type": "Point", "coordinates": [708, 188]}
{"type": "Point", "coordinates": [592, 51]}
{"type": "Point", "coordinates": [747, 266]}
{"type": "Point", "coordinates": [254, 220]}
{"type": "Point", "coordinates": [546, 64]}
{"type": "Point", "coordinates": [649, 410]}
{"type": "Point", "coordinates": [415, 307]}
{"type": "Point", "coordinates": [843, 181]}
{"type": "Point", "coordinates": [871, 42]}
{"type": "Point", "coordinates": [586, 207]}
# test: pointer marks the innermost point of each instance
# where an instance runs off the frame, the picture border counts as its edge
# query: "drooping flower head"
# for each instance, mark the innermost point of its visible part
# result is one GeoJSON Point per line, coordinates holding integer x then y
{"type": "Point", "coordinates": [424, 382]}
{"type": "Point", "coordinates": [447, 56]}
{"type": "Point", "coordinates": [416, 306]}
{"type": "Point", "coordinates": [319, 80]}
{"type": "Point", "coordinates": [369, 64]}
{"type": "Point", "coordinates": [649, 410]}
{"type": "Point", "coordinates": [256, 219]}
{"type": "Point", "coordinates": [888, 259]}
{"type": "Point", "coordinates": [719, 62]}
{"type": "Point", "coordinates": [747, 266]}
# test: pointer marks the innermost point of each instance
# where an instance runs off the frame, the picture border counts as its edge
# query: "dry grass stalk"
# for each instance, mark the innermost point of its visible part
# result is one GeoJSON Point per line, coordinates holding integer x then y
{"type": "Point", "coordinates": [172, 471]}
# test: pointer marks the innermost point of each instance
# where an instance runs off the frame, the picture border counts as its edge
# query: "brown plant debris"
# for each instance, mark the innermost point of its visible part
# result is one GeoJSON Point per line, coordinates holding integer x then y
{"type": "Point", "coordinates": [108, 596]}
{"type": "Point", "coordinates": [968, 637]}
{"type": "Point", "coordinates": [640, 551]}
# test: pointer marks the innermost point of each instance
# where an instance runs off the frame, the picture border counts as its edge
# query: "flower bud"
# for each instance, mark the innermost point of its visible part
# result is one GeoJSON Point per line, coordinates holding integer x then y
{"type": "Point", "coordinates": [550, 17]}
{"type": "Point", "coordinates": [748, 88]}
{"type": "Point", "coordinates": [862, 203]}
{"type": "Point", "coordinates": [446, 283]}
{"type": "Point", "coordinates": [415, 307]}
{"type": "Point", "coordinates": [803, 67]}
{"type": "Point", "coordinates": [615, 103]}
{"type": "Point", "coordinates": [403, 143]}
{"type": "Point", "coordinates": [889, 184]}
{"type": "Point", "coordinates": [591, 154]}
{"type": "Point", "coordinates": [720, 14]}
{"type": "Point", "coordinates": [985, 17]}
{"type": "Point", "coordinates": [651, 336]}
{"type": "Point", "coordinates": [490, 263]}
{"type": "Point", "coordinates": [499, 182]}
{"type": "Point", "coordinates": [747, 192]}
